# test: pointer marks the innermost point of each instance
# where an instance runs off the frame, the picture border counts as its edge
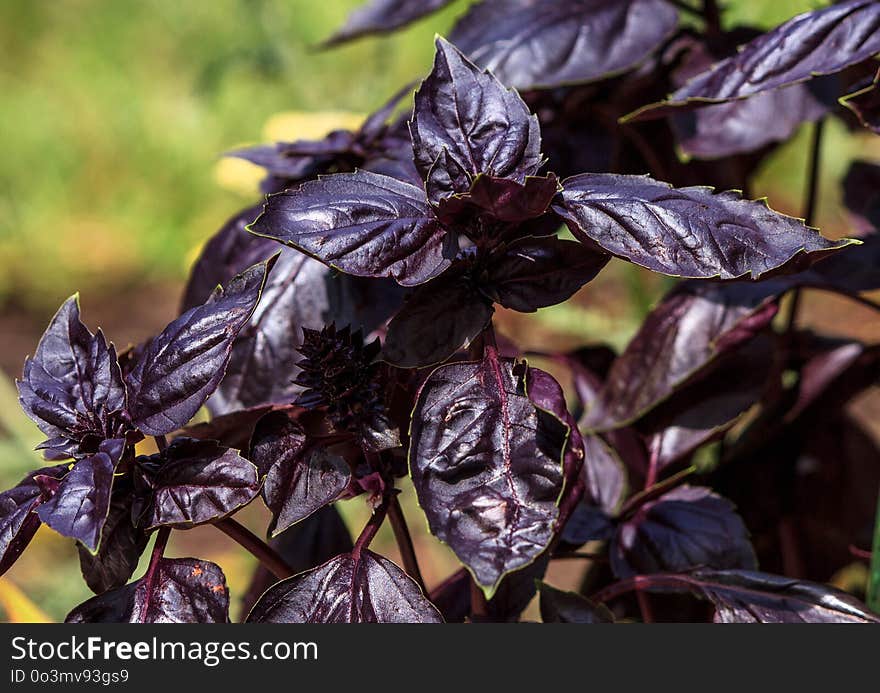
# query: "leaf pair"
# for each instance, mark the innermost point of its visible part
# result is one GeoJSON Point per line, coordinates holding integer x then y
{"type": "Point", "coordinates": [74, 390]}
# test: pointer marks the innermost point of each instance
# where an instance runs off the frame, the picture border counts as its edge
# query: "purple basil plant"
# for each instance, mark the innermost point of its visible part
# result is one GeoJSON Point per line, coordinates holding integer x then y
{"type": "Point", "coordinates": [341, 337]}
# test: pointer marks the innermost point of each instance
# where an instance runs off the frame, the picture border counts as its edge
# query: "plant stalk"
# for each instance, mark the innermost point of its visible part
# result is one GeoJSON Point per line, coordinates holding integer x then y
{"type": "Point", "coordinates": [161, 442]}
{"type": "Point", "coordinates": [405, 542]}
{"type": "Point", "coordinates": [264, 553]}
{"type": "Point", "coordinates": [162, 537]}
{"type": "Point", "coordinates": [370, 529]}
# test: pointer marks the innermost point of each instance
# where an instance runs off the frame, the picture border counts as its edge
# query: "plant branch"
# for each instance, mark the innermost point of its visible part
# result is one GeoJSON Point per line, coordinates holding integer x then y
{"type": "Point", "coordinates": [267, 556]}
{"type": "Point", "coordinates": [655, 490]}
{"type": "Point", "coordinates": [162, 537]}
{"type": "Point", "coordinates": [161, 442]}
{"type": "Point", "coordinates": [712, 15]}
{"type": "Point", "coordinates": [370, 529]}
{"type": "Point", "coordinates": [580, 555]}
{"type": "Point", "coordinates": [404, 541]}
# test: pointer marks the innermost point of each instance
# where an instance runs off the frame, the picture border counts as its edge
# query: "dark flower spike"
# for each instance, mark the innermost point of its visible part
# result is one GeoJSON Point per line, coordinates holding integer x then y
{"type": "Point", "coordinates": [178, 590]}
{"type": "Point", "coordinates": [361, 223]}
{"type": "Point", "coordinates": [383, 16]}
{"type": "Point", "coordinates": [357, 587]}
{"type": "Point", "coordinates": [466, 123]}
{"type": "Point", "coordinates": [553, 43]}
{"type": "Point", "coordinates": [688, 527]}
{"type": "Point", "coordinates": [192, 482]}
{"type": "Point", "coordinates": [299, 292]}
{"type": "Point", "coordinates": [19, 521]}
{"type": "Point", "coordinates": [72, 388]}
{"type": "Point", "coordinates": [687, 232]}
{"type": "Point", "coordinates": [812, 44]}
{"type": "Point", "coordinates": [487, 466]}
{"type": "Point", "coordinates": [179, 369]}
{"type": "Point", "coordinates": [81, 502]}
{"type": "Point", "coordinates": [865, 103]}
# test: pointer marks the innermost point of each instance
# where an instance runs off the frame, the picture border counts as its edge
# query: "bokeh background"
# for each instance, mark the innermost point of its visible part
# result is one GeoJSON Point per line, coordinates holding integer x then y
{"type": "Point", "coordinates": [113, 117]}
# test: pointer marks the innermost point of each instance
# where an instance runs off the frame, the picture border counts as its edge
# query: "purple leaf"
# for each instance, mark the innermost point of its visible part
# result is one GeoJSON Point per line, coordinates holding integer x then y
{"type": "Point", "coordinates": [861, 195]}
{"type": "Point", "coordinates": [352, 588]}
{"type": "Point", "coordinates": [487, 466]}
{"type": "Point", "coordinates": [79, 507]}
{"type": "Point", "coordinates": [122, 543]}
{"type": "Point", "coordinates": [865, 103]}
{"type": "Point", "coordinates": [179, 369]}
{"type": "Point", "coordinates": [179, 590]}
{"type": "Point", "coordinates": [192, 482]}
{"type": "Point", "coordinates": [812, 44]}
{"type": "Point", "coordinates": [687, 232]}
{"type": "Point", "coordinates": [743, 596]}
{"type": "Point", "coordinates": [466, 123]}
{"type": "Point", "coordinates": [555, 43]}
{"type": "Point", "coordinates": [688, 527]}
{"type": "Point", "coordinates": [301, 478]}
{"type": "Point", "coordinates": [18, 519]}
{"type": "Point", "coordinates": [360, 223]}
{"type": "Point", "coordinates": [746, 125]}
{"type": "Point", "coordinates": [300, 293]}
{"type": "Point", "coordinates": [558, 606]}
{"type": "Point", "coordinates": [436, 321]}
{"type": "Point", "coordinates": [538, 272]}
{"type": "Point", "coordinates": [72, 388]}
{"type": "Point", "coordinates": [706, 408]}
{"type": "Point", "coordinates": [691, 327]}
{"type": "Point", "coordinates": [383, 16]}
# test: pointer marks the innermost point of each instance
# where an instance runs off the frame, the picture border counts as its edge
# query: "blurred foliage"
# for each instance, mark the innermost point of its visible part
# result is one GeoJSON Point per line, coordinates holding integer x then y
{"type": "Point", "coordinates": [112, 120]}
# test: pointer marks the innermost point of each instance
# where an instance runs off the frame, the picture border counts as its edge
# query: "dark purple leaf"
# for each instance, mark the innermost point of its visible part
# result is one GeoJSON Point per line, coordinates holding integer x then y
{"type": "Point", "coordinates": [122, 544]}
{"type": "Point", "coordinates": [706, 408]}
{"type": "Point", "coordinates": [18, 518]}
{"type": "Point", "coordinates": [687, 232]}
{"type": "Point", "coordinates": [360, 223]}
{"type": "Point", "coordinates": [192, 482]}
{"type": "Point", "coordinates": [179, 590]}
{"type": "Point", "coordinates": [743, 596]}
{"type": "Point", "coordinates": [383, 16]}
{"type": "Point", "coordinates": [487, 465]}
{"type": "Point", "coordinates": [179, 369]}
{"type": "Point", "coordinates": [436, 321]}
{"type": "Point", "coordinates": [558, 606]}
{"type": "Point", "coordinates": [538, 272]}
{"type": "Point", "coordinates": [500, 199]}
{"type": "Point", "coordinates": [301, 477]}
{"type": "Point", "coordinates": [553, 43]}
{"type": "Point", "coordinates": [300, 292]}
{"type": "Point", "coordinates": [688, 527]}
{"type": "Point", "coordinates": [812, 44]}
{"type": "Point", "coordinates": [861, 194]}
{"type": "Point", "coordinates": [746, 125]}
{"type": "Point", "coordinates": [690, 328]}
{"type": "Point", "coordinates": [466, 123]}
{"type": "Point", "coordinates": [351, 588]}
{"type": "Point", "coordinates": [72, 388]}
{"type": "Point", "coordinates": [80, 505]}
{"type": "Point", "coordinates": [852, 270]}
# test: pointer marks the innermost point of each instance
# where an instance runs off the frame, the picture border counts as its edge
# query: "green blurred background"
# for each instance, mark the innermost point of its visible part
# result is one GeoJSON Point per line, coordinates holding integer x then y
{"type": "Point", "coordinates": [112, 119]}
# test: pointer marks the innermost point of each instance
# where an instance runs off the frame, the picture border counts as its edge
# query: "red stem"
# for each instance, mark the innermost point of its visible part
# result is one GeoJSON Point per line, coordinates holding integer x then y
{"type": "Point", "coordinates": [158, 551]}
{"type": "Point", "coordinates": [405, 542]}
{"type": "Point", "coordinates": [270, 558]}
{"type": "Point", "coordinates": [370, 529]}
